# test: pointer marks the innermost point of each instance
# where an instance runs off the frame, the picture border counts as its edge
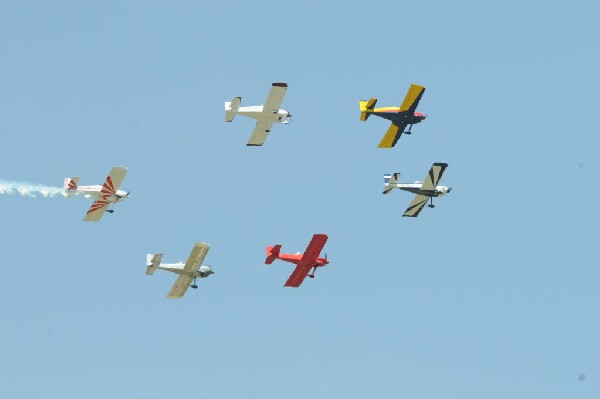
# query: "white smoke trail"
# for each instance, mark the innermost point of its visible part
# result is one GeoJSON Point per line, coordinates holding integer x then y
{"type": "Point", "coordinates": [27, 189]}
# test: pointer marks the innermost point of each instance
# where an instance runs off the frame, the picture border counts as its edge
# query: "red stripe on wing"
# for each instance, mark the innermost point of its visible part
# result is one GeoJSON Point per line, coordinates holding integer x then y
{"type": "Point", "coordinates": [108, 187]}
{"type": "Point", "coordinates": [97, 205]}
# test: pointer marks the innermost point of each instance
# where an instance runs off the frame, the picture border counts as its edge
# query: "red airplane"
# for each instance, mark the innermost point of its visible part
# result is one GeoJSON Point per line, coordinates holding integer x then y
{"type": "Point", "coordinates": [306, 261]}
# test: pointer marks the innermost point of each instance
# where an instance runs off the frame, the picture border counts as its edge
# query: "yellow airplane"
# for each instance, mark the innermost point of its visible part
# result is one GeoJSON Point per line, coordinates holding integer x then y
{"type": "Point", "coordinates": [402, 116]}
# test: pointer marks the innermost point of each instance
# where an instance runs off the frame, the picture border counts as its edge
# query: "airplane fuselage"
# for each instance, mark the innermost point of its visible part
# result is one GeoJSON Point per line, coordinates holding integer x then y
{"type": "Point", "coordinates": [392, 114]}
{"type": "Point", "coordinates": [295, 259]}
{"type": "Point", "coordinates": [257, 112]}
{"type": "Point", "coordinates": [415, 188]}
{"type": "Point", "coordinates": [177, 268]}
{"type": "Point", "coordinates": [96, 192]}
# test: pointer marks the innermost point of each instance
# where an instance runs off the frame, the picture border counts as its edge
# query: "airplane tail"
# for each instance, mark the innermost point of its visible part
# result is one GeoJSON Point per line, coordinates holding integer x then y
{"type": "Point", "coordinates": [366, 107]}
{"type": "Point", "coordinates": [231, 108]}
{"type": "Point", "coordinates": [272, 254]}
{"type": "Point", "coordinates": [70, 185]}
{"type": "Point", "coordinates": [390, 182]}
{"type": "Point", "coordinates": [152, 263]}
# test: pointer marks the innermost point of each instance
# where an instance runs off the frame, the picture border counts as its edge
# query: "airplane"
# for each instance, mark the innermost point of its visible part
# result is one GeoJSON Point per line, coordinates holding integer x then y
{"type": "Point", "coordinates": [104, 196]}
{"type": "Point", "coordinates": [424, 191]}
{"type": "Point", "coordinates": [266, 115]}
{"type": "Point", "coordinates": [188, 271]}
{"type": "Point", "coordinates": [304, 262]}
{"type": "Point", "coordinates": [402, 116]}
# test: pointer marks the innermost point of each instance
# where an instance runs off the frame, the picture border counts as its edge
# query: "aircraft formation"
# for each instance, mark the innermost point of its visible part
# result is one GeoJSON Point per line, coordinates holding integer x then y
{"type": "Point", "coordinates": [107, 195]}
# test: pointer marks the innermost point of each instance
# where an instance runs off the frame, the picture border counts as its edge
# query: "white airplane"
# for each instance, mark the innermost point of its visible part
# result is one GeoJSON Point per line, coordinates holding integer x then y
{"type": "Point", "coordinates": [104, 195]}
{"type": "Point", "coordinates": [425, 191]}
{"type": "Point", "coordinates": [188, 271]}
{"type": "Point", "coordinates": [265, 115]}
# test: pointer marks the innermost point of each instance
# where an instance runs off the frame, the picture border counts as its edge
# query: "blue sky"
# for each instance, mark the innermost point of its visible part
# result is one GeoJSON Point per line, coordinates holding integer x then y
{"type": "Point", "coordinates": [491, 294]}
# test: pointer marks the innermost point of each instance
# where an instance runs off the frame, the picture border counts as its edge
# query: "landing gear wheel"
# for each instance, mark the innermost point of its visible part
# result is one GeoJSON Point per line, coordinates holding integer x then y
{"type": "Point", "coordinates": [431, 206]}
{"type": "Point", "coordinates": [110, 210]}
{"type": "Point", "coordinates": [194, 286]}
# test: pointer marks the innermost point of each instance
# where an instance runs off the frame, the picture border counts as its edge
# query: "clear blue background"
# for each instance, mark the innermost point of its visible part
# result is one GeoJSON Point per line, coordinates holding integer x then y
{"type": "Point", "coordinates": [494, 293]}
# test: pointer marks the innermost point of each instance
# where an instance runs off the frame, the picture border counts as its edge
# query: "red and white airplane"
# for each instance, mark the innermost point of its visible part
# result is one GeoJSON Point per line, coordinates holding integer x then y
{"type": "Point", "coordinates": [103, 195]}
{"type": "Point", "coordinates": [304, 262]}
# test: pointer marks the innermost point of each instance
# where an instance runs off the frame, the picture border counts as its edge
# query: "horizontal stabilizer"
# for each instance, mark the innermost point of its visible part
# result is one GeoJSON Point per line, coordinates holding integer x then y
{"type": "Point", "coordinates": [272, 254]}
{"type": "Point", "coordinates": [366, 107]}
{"type": "Point", "coordinates": [390, 182]}
{"type": "Point", "coordinates": [70, 185]}
{"type": "Point", "coordinates": [231, 108]}
{"type": "Point", "coordinates": [152, 263]}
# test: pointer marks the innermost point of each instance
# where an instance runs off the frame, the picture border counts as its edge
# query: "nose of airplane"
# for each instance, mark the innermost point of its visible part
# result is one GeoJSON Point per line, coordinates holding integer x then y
{"type": "Point", "coordinates": [121, 195]}
{"type": "Point", "coordinates": [420, 115]}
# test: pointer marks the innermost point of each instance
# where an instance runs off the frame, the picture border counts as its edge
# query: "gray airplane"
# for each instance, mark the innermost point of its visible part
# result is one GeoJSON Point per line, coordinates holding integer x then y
{"type": "Point", "coordinates": [424, 191]}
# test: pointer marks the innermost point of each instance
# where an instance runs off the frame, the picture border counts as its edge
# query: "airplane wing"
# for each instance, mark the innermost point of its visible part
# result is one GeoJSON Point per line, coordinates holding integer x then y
{"type": "Point", "coordinates": [434, 176]}
{"type": "Point", "coordinates": [180, 287]}
{"type": "Point", "coordinates": [114, 180]}
{"type": "Point", "coordinates": [110, 187]}
{"type": "Point", "coordinates": [260, 133]}
{"type": "Point", "coordinates": [408, 107]}
{"type": "Point", "coordinates": [415, 207]}
{"type": "Point", "coordinates": [391, 137]}
{"type": "Point", "coordinates": [96, 211]}
{"type": "Point", "coordinates": [191, 266]}
{"type": "Point", "coordinates": [415, 92]}
{"type": "Point", "coordinates": [275, 97]}
{"type": "Point", "coordinates": [308, 260]}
